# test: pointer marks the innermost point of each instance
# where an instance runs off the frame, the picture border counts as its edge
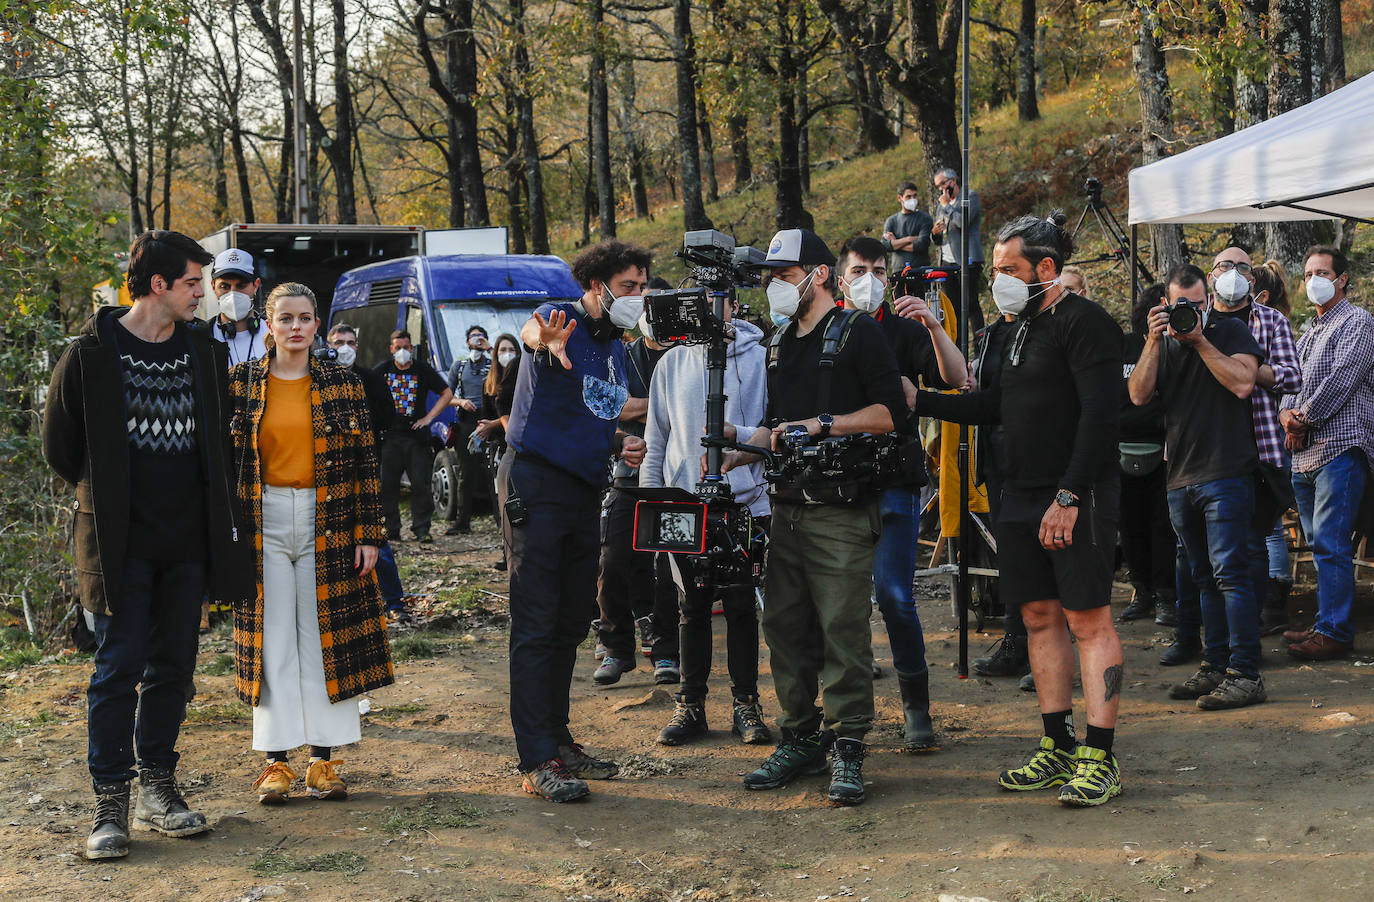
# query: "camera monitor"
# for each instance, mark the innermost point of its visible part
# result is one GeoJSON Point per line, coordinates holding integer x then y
{"type": "Point", "coordinates": [673, 526]}
{"type": "Point", "coordinates": [681, 316]}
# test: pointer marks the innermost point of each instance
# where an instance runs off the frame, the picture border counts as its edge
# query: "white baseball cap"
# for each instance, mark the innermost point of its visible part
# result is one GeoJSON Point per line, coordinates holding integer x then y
{"type": "Point", "coordinates": [235, 261]}
{"type": "Point", "coordinates": [797, 247]}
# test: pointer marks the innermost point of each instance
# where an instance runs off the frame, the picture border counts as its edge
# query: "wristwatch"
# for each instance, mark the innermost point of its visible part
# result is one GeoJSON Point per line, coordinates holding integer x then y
{"type": "Point", "coordinates": [1065, 498]}
{"type": "Point", "coordinates": [826, 421]}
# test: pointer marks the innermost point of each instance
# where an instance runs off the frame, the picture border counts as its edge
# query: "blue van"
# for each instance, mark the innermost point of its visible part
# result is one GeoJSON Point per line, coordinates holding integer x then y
{"type": "Point", "coordinates": [436, 299]}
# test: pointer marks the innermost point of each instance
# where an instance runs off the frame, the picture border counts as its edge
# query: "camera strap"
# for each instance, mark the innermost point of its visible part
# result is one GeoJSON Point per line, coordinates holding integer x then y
{"type": "Point", "coordinates": [832, 342]}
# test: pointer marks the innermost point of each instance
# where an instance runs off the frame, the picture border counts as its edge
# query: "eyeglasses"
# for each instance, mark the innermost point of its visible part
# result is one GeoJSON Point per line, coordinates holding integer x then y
{"type": "Point", "coordinates": [1018, 342]}
{"type": "Point", "coordinates": [1244, 269]}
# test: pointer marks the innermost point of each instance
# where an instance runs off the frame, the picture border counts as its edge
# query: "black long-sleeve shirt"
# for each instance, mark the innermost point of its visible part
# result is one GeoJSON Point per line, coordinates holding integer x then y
{"type": "Point", "coordinates": [1058, 398]}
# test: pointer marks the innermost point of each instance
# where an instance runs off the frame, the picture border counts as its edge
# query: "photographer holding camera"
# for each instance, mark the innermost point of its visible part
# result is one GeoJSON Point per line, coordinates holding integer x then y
{"type": "Point", "coordinates": [562, 430]}
{"type": "Point", "coordinates": [830, 373]}
{"type": "Point", "coordinates": [926, 354]}
{"type": "Point", "coordinates": [1203, 366]}
{"type": "Point", "coordinates": [1057, 400]}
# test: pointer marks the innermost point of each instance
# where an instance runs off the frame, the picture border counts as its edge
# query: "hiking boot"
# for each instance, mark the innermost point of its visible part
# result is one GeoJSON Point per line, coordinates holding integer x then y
{"type": "Point", "coordinates": [1274, 613]}
{"type": "Point", "coordinates": [1096, 779]}
{"type": "Point", "coordinates": [611, 670]}
{"type": "Point", "coordinates": [425, 539]}
{"type": "Point", "coordinates": [847, 772]}
{"type": "Point", "coordinates": [584, 766]}
{"type": "Point", "coordinates": [747, 721]}
{"type": "Point", "coordinates": [161, 807]}
{"type": "Point", "coordinates": [322, 782]}
{"type": "Point", "coordinates": [1166, 608]}
{"type": "Point", "coordinates": [667, 671]}
{"type": "Point", "coordinates": [1007, 657]}
{"type": "Point", "coordinates": [110, 829]}
{"type": "Point", "coordinates": [1319, 647]}
{"type": "Point", "coordinates": [274, 784]}
{"type": "Point", "coordinates": [1199, 684]}
{"type": "Point", "coordinates": [1181, 651]}
{"type": "Point", "coordinates": [798, 756]}
{"type": "Point", "coordinates": [1235, 691]}
{"type": "Point", "coordinates": [689, 722]}
{"type": "Point", "coordinates": [552, 781]}
{"type": "Point", "coordinates": [1141, 606]}
{"type": "Point", "coordinates": [918, 730]}
{"type": "Point", "coordinates": [1027, 683]}
{"type": "Point", "coordinates": [399, 615]}
{"type": "Point", "coordinates": [1049, 767]}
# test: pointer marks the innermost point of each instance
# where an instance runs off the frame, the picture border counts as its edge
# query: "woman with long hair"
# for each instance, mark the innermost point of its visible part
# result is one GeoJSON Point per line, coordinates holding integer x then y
{"type": "Point", "coordinates": [498, 391]}
{"type": "Point", "coordinates": [314, 638]}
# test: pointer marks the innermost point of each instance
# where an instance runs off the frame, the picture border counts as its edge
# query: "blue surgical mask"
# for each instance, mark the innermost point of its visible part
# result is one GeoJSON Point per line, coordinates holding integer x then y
{"type": "Point", "coordinates": [779, 320]}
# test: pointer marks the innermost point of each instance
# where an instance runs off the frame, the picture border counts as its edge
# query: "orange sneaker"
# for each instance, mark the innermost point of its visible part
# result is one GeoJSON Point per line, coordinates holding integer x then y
{"type": "Point", "coordinates": [322, 782]}
{"type": "Point", "coordinates": [275, 783]}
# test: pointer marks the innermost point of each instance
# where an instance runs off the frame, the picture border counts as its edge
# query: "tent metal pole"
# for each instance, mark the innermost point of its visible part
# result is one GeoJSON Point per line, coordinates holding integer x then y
{"type": "Point", "coordinates": [1135, 255]}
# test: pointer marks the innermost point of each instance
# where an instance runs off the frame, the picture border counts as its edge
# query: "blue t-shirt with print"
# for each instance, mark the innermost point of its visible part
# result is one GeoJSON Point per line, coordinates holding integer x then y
{"type": "Point", "coordinates": [568, 418]}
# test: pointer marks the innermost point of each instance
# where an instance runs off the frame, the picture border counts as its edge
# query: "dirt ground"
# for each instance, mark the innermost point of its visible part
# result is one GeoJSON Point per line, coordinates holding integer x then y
{"type": "Point", "coordinates": [1270, 802]}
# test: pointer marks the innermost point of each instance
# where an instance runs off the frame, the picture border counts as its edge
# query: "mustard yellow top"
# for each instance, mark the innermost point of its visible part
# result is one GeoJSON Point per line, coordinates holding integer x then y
{"type": "Point", "coordinates": [286, 438]}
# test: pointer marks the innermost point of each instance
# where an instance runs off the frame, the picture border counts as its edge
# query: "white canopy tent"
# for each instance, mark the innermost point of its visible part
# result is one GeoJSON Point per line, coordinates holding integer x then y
{"type": "Point", "coordinates": [1314, 162]}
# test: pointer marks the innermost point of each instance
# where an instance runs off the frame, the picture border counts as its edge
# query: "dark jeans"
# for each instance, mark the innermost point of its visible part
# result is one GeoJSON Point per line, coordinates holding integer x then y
{"type": "Point", "coordinates": [625, 583]}
{"type": "Point", "coordinates": [1147, 536]}
{"type": "Point", "coordinates": [472, 468]}
{"type": "Point", "coordinates": [694, 634]}
{"type": "Point", "coordinates": [413, 454]}
{"type": "Point", "coordinates": [553, 560]}
{"type": "Point", "coordinates": [1214, 522]}
{"type": "Point", "coordinates": [388, 577]}
{"type": "Point", "coordinates": [145, 654]}
{"type": "Point", "coordinates": [894, 562]}
{"type": "Point", "coordinates": [1328, 501]}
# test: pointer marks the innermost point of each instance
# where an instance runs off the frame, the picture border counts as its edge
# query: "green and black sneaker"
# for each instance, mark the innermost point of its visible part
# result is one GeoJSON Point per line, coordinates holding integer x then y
{"type": "Point", "coordinates": [1096, 780]}
{"type": "Point", "coordinates": [1050, 767]}
{"type": "Point", "coordinates": [847, 772]}
{"type": "Point", "coordinates": [797, 756]}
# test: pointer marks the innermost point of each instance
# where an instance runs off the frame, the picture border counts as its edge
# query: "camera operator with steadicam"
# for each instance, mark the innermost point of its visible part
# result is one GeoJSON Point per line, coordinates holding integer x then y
{"type": "Point", "coordinates": [830, 374]}
{"type": "Point", "coordinates": [1204, 366]}
{"type": "Point", "coordinates": [925, 355]}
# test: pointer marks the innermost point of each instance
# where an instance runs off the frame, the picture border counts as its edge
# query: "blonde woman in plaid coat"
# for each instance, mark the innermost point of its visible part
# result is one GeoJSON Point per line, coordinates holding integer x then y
{"type": "Point", "coordinates": [314, 637]}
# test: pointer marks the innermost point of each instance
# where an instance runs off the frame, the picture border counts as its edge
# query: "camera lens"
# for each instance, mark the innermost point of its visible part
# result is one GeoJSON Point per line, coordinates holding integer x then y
{"type": "Point", "coordinates": [1183, 318]}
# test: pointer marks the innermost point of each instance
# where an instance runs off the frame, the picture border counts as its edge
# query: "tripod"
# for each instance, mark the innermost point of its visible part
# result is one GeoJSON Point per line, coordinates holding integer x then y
{"type": "Point", "coordinates": [1122, 248]}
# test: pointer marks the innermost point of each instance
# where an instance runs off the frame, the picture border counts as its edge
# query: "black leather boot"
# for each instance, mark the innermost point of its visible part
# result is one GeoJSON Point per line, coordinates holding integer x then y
{"type": "Point", "coordinates": [1166, 607]}
{"type": "Point", "coordinates": [1142, 604]}
{"type": "Point", "coordinates": [161, 807]}
{"type": "Point", "coordinates": [920, 731]}
{"type": "Point", "coordinates": [110, 831]}
{"type": "Point", "coordinates": [1274, 615]}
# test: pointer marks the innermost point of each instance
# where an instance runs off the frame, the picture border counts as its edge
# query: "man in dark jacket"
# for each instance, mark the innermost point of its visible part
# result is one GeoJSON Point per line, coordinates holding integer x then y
{"type": "Point", "coordinates": [135, 420]}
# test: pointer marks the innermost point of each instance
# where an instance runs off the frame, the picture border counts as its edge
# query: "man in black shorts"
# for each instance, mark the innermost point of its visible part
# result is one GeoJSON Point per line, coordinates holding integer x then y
{"type": "Point", "coordinates": [1057, 402]}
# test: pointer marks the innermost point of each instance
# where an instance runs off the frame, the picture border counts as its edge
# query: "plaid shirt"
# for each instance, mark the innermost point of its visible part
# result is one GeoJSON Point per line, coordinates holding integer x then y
{"type": "Point", "coordinates": [1274, 334]}
{"type": "Point", "coordinates": [1337, 395]}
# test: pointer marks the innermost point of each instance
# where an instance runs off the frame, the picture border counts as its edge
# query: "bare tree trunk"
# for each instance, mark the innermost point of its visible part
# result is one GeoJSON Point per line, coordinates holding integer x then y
{"type": "Point", "coordinates": [1289, 88]}
{"type": "Point", "coordinates": [803, 103]}
{"type": "Point", "coordinates": [529, 143]}
{"type": "Point", "coordinates": [1252, 106]}
{"type": "Point", "coordinates": [601, 128]}
{"type": "Point", "coordinates": [789, 209]}
{"type": "Point", "coordinates": [515, 176]}
{"type": "Point", "coordinates": [739, 150]}
{"type": "Point", "coordinates": [627, 123]}
{"type": "Point", "coordinates": [1334, 47]}
{"type": "Point", "coordinates": [708, 151]}
{"type": "Point", "coordinates": [1027, 101]}
{"type": "Point", "coordinates": [1157, 125]}
{"type": "Point", "coordinates": [340, 148]}
{"type": "Point", "coordinates": [861, 26]}
{"type": "Point", "coordinates": [214, 142]}
{"type": "Point", "coordinates": [685, 80]}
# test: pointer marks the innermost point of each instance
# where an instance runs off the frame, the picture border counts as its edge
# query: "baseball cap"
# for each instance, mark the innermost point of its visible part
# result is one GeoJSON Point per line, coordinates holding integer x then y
{"type": "Point", "coordinates": [235, 261]}
{"type": "Point", "coordinates": [797, 247]}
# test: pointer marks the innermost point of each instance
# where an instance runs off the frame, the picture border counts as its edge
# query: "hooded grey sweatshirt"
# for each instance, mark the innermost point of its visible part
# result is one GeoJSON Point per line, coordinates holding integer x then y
{"type": "Point", "coordinates": [677, 415]}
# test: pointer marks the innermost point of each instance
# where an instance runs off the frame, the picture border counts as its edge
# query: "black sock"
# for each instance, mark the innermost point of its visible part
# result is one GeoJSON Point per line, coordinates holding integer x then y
{"type": "Point", "coordinates": [1100, 738]}
{"type": "Point", "coordinates": [276, 756]}
{"type": "Point", "coordinates": [1059, 727]}
{"type": "Point", "coordinates": [320, 751]}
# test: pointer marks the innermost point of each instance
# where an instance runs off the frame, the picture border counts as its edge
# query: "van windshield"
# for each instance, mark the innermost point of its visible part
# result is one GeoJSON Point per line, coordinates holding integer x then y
{"type": "Point", "coordinates": [454, 318]}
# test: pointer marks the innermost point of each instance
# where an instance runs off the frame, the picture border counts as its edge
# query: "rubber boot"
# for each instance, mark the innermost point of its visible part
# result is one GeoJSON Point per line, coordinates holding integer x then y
{"type": "Point", "coordinates": [1274, 615]}
{"type": "Point", "coordinates": [919, 734]}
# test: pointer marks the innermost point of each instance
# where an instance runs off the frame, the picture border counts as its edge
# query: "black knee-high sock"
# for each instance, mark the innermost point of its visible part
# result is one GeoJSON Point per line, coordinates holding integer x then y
{"type": "Point", "coordinates": [1100, 738]}
{"type": "Point", "coordinates": [277, 756]}
{"type": "Point", "coordinates": [320, 751]}
{"type": "Point", "coordinates": [1059, 727]}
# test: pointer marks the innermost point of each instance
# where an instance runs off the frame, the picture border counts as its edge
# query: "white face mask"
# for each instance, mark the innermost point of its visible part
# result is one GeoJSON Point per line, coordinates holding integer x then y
{"type": "Point", "coordinates": [346, 354]}
{"type": "Point", "coordinates": [1320, 290]}
{"type": "Point", "coordinates": [402, 357]}
{"type": "Point", "coordinates": [645, 328]}
{"type": "Point", "coordinates": [1231, 287]}
{"type": "Point", "coordinates": [866, 292]}
{"type": "Point", "coordinates": [236, 305]}
{"type": "Point", "coordinates": [910, 204]}
{"type": "Point", "coordinates": [476, 354]}
{"type": "Point", "coordinates": [506, 358]}
{"type": "Point", "coordinates": [783, 297]}
{"type": "Point", "coordinates": [625, 311]}
{"type": "Point", "coordinates": [1012, 295]}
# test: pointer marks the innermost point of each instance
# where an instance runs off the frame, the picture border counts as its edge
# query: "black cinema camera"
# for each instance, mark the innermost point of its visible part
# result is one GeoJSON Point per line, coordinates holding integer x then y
{"type": "Point", "coordinates": [1184, 316]}
{"type": "Point", "coordinates": [689, 315]}
{"type": "Point", "coordinates": [837, 468]}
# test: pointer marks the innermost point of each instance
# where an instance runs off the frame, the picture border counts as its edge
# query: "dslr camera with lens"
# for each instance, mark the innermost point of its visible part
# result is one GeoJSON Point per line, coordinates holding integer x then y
{"type": "Point", "coordinates": [1184, 316]}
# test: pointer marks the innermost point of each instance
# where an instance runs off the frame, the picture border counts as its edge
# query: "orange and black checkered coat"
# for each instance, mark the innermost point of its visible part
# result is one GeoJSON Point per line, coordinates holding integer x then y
{"type": "Point", "coordinates": [348, 513]}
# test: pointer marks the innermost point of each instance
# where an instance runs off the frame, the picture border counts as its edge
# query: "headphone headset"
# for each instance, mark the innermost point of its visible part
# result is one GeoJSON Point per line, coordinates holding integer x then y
{"type": "Point", "coordinates": [228, 330]}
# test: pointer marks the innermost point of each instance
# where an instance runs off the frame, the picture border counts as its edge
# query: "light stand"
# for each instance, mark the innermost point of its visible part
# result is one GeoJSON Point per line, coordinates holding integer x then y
{"type": "Point", "coordinates": [965, 524]}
